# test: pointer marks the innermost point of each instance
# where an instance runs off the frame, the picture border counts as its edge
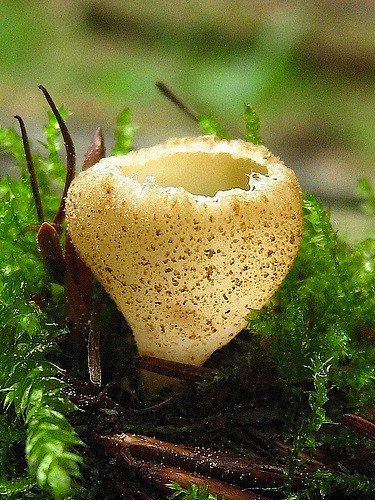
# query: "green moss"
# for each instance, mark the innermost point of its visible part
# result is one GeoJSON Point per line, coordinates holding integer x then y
{"type": "Point", "coordinates": [252, 124]}
{"type": "Point", "coordinates": [315, 332]}
{"type": "Point", "coordinates": [210, 125]}
{"type": "Point", "coordinates": [124, 133]}
{"type": "Point", "coordinates": [30, 388]}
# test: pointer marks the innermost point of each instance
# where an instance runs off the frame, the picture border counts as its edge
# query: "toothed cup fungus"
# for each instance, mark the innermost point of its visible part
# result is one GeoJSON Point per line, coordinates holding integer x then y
{"type": "Point", "coordinates": [187, 237]}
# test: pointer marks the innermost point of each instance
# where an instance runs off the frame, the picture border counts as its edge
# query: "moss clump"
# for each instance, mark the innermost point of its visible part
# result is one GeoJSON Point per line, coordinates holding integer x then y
{"type": "Point", "coordinates": [324, 310]}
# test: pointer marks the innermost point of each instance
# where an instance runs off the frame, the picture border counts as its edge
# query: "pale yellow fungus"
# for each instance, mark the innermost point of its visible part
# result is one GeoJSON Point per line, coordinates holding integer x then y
{"type": "Point", "coordinates": [187, 237]}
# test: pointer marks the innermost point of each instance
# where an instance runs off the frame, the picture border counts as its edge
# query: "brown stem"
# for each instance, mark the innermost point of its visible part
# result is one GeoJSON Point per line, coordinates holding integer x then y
{"type": "Point", "coordinates": [362, 456]}
{"type": "Point", "coordinates": [50, 247]}
{"type": "Point", "coordinates": [78, 284]}
{"type": "Point", "coordinates": [237, 470]}
{"type": "Point", "coordinates": [160, 476]}
{"type": "Point", "coordinates": [314, 458]}
{"type": "Point", "coordinates": [31, 169]}
{"type": "Point", "coordinates": [175, 369]}
{"type": "Point", "coordinates": [359, 425]}
{"type": "Point", "coordinates": [70, 155]}
{"type": "Point", "coordinates": [93, 348]}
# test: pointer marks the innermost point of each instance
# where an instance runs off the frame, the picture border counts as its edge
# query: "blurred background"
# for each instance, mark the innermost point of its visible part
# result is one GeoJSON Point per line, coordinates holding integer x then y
{"type": "Point", "coordinates": [307, 67]}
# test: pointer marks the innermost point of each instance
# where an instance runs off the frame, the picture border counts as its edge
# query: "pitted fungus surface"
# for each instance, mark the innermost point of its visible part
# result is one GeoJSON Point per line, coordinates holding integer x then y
{"type": "Point", "coordinates": [187, 237]}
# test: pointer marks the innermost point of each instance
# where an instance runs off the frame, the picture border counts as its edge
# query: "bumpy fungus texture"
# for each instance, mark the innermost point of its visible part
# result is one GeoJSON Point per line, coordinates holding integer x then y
{"type": "Point", "coordinates": [187, 237]}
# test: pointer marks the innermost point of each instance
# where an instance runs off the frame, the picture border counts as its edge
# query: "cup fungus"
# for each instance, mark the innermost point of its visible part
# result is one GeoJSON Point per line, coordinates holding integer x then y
{"type": "Point", "coordinates": [187, 237]}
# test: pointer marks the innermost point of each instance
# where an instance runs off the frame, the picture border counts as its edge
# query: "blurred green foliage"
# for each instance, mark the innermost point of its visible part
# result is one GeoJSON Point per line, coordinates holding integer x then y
{"type": "Point", "coordinates": [306, 67]}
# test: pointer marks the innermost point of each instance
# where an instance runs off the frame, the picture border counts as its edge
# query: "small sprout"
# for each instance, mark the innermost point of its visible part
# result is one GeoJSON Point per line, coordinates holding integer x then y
{"type": "Point", "coordinates": [124, 133]}
{"type": "Point", "coordinates": [210, 125]}
{"type": "Point", "coordinates": [187, 237]}
{"type": "Point", "coordinates": [252, 123]}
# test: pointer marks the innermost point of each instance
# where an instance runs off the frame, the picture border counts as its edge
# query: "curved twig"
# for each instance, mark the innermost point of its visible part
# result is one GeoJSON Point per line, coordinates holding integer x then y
{"type": "Point", "coordinates": [31, 169]}
{"type": "Point", "coordinates": [70, 155]}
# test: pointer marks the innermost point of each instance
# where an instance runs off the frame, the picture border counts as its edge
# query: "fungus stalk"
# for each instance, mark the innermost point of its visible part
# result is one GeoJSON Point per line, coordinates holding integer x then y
{"type": "Point", "coordinates": [187, 237]}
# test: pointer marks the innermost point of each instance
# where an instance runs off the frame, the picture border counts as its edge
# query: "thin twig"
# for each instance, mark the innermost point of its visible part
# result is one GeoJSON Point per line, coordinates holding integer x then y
{"type": "Point", "coordinates": [78, 282]}
{"type": "Point", "coordinates": [169, 94]}
{"type": "Point", "coordinates": [181, 371]}
{"type": "Point", "coordinates": [234, 469]}
{"type": "Point", "coordinates": [359, 425]}
{"type": "Point", "coordinates": [31, 169]}
{"type": "Point", "coordinates": [70, 155]}
{"type": "Point", "coordinates": [159, 475]}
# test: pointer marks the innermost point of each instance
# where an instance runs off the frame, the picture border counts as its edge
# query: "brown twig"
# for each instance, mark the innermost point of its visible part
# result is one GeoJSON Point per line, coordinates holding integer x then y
{"type": "Point", "coordinates": [160, 476]}
{"type": "Point", "coordinates": [175, 369]}
{"type": "Point", "coordinates": [31, 169]}
{"type": "Point", "coordinates": [49, 243]}
{"type": "Point", "coordinates": [169, 94]}
{"type": "Point", "coordinates": [233, 469]}
{"type": "Point", "coordinates": [70, 155]}
{"type": "Point", "coordinates": [314, 459]}
{"type": "Point", "coordinates": [360, 425]}
{"type": "Point", "coordinates": [77, 286]}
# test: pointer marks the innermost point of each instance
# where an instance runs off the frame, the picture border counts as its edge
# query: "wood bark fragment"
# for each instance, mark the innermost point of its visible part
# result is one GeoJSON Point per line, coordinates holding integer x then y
{"type": "Point", "coordinates": [245, 473]}
{"type": "Point", "coordinates": [160, 476]}
{"type": "Point", "coordinates": [359, 425]}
